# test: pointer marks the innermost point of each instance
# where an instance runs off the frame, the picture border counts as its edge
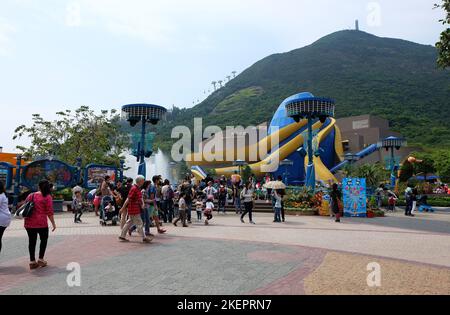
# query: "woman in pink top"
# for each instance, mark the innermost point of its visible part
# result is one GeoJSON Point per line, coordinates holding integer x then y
{"type": "Point", "coordinates": [37, 224]}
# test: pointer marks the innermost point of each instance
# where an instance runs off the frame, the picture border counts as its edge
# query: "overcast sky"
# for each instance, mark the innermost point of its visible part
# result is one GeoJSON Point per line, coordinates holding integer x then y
{"type": "Point", "coordinates": [60, 54]}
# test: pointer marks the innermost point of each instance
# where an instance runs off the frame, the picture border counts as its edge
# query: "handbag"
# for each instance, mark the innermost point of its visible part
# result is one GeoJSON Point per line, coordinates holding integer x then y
{"type": "Point", "coordinates": [27, 209]}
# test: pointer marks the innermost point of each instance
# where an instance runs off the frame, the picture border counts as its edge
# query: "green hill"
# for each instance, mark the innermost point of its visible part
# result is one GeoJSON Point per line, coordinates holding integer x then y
{"type": "Point", "coordinates": [366, 74]}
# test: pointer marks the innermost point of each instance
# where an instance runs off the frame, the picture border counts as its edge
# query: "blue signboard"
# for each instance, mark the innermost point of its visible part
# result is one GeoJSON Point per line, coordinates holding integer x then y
{"type": "Point", "coordinates": [94, 174]}
{"type": "Point", "coordinates": [355, 197]}
{"type": "Point", "coordinates": [6, 174]}
{"type": "Point", "coordinates": [60, 174]}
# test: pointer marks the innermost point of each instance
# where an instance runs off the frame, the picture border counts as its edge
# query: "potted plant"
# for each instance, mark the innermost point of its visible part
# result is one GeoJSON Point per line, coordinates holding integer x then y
{"type": "Point", "coordinates": [302, 202]}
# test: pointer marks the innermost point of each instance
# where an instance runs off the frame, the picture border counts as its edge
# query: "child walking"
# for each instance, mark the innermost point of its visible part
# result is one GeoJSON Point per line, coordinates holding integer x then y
{"type": "Point", "coordinates": [199, 208]}
{"type": "Point", "coordinates": [209, 211]}
{"type": "Point", "coordinates": [182, 211]}
{"type": "Point", "coordinates": [392, 202]}
{"type": "Point", "coordinates": [77, 206]}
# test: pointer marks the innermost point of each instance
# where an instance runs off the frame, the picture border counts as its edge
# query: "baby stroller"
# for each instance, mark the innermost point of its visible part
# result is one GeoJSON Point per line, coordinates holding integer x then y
{"type": "Point", "coordinates": [423, 204]}
{"type": "Point", "coordinates": [108, 212]}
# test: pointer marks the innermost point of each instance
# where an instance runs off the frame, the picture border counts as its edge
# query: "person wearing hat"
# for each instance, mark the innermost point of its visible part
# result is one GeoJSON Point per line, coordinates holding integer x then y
{"type": "Point", "coordinates": [210, 191]}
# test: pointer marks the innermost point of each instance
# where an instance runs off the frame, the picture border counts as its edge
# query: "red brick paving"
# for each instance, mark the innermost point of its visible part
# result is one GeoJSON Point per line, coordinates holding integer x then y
{"type": "Point", "coordinates": [81, 249]}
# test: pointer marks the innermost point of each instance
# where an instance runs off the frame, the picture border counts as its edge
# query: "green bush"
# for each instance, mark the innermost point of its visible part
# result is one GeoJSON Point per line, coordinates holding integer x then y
{"type": "Point", "coordinates": [432, 201]}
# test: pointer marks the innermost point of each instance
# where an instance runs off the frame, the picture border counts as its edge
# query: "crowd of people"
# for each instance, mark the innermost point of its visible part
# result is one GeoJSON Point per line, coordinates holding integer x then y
{"type": "Point", "coordinates": [141, 205]}
{"type": "Point", "coordinates": [138, 205]}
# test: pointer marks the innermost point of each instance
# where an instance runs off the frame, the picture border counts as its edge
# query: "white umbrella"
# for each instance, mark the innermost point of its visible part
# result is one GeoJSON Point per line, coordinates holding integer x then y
{"type": "Point", "coordinates": [275, 185]}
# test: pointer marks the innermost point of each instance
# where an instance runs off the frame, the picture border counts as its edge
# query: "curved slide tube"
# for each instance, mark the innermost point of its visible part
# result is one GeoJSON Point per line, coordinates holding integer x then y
{"type": "Point", "coordinates": [207, 159]}
{"type": "Point", "coordinates": [266, 165]}
{"type": "Point", "coordinates": [360, 155]}
{"type": "Point", "coordinates": [322, 172]}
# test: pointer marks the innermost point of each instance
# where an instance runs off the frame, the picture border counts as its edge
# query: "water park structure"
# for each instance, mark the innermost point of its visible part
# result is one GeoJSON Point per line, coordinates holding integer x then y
{"type": "Point", "coordinates": [308, 136]}
{"type": "Point", "coordinates": [143, 141]}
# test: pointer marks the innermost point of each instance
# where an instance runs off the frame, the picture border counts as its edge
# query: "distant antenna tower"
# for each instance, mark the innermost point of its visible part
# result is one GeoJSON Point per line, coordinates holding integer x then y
{"type": "Point", "coordinates": [357, 25]}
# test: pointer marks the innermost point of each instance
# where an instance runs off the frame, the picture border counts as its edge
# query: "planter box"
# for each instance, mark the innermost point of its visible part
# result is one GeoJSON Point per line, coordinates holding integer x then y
{"type": "Point", "coordinates": [299, 212]}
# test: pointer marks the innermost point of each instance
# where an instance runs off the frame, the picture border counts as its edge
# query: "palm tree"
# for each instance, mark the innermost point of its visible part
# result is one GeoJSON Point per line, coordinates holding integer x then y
{"type": "Point", "coordinates": [375, 174]}
{"type": "Point", "coordinates": [220, 83]}
{"type": "Point", "coordinates": [234, 74]}
{"type": "Point", "coordinates": [214, 83]}
{"type": "Point", "coordinates": [229, 78]}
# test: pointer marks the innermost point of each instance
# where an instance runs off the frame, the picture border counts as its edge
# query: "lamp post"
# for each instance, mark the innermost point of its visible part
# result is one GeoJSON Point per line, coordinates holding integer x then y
{"type": "Point", "coordinates": [311, 108]}
{"type": "Point", "coordinates": [391, 144]}
{"type": "Point", "coordinates": [286, 163]}
{"type": "Point", "coordinates": [143, 113]}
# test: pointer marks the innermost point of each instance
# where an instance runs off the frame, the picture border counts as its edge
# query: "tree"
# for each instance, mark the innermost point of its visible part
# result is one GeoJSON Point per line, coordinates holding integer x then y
{"type": "Point", "coordinates": [246, 173]}
{"type": "Point", "coordinates": [211, 172]}
{"type": "Point", "coordinates": [425, 168]}
{"type": "Point", "coordinates": [443, 45]}
{"type": "Point", "coordinates": [373, 173]}
{"type": "Point", "coordinates": [95, 138]}
{"type": "Point", "coordinates": [183, 169]}
{"type": "Point", "coordinates": [442, 163]}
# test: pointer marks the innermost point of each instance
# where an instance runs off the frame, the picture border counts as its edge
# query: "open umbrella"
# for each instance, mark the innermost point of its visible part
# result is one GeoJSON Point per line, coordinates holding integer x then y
{"type": "Point", "coordinates": [275, 185]}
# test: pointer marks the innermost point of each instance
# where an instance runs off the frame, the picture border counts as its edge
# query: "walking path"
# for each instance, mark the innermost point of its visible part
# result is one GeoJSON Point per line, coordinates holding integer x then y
{"type": "Point", "coordinates": [306, 255]}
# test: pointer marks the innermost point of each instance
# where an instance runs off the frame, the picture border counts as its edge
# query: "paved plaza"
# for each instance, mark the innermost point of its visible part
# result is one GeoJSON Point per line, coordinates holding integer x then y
{"type": "Point", "coordinates": [306, 255]}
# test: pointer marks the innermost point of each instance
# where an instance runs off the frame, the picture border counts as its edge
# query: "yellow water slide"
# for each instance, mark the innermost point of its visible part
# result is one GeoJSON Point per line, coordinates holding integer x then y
{"type": "Point", "coordinates": [322, 172]}
{"type": "Point", "coordinates": [211, 159]}
{"type": "Point", "coordinates": [269, 164]}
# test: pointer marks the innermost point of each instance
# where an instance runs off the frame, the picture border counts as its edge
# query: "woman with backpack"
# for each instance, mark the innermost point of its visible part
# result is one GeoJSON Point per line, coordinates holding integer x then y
{"type": "Point", "coordinates": [247, 195]}
{"type": "Point", "coordinates": [5, 214]}
{"type": "Point", "coordinates": [37, 224]}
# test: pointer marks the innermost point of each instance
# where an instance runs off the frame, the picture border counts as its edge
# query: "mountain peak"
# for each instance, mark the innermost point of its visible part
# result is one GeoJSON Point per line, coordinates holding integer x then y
{"type": "Point", "coordinates": [391, 78]}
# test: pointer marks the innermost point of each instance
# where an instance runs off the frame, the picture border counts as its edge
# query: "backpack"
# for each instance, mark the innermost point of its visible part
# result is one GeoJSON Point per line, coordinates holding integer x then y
{"type": "Point", "coordinates": [169, 194]}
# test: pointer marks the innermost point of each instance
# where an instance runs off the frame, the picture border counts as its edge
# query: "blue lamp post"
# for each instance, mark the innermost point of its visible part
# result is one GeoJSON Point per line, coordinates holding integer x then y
{"type": "Point", "coordinates": [391, 144]}
{"type": "Point", "coordinates": [311, 108]}
{"type": "Point", "coordinates": [143, 113]}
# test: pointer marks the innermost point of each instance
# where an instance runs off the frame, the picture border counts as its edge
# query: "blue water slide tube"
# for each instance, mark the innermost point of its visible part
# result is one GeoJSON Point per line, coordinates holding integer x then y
{"type": "Point", "coordinates": [360, 155]}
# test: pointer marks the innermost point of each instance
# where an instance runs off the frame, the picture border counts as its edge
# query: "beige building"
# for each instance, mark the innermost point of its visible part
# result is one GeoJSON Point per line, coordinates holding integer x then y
{"type": "Point", "coordinates": [359, 132]}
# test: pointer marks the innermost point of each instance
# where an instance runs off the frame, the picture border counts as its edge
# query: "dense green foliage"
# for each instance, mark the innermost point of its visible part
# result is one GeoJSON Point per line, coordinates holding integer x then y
{"type": "Point", "coordinates": [95, 138]}
{"type": "Point", "coordinates": [443, 45]}
{"type": "Point", "coordinates": [436, 161]}
{"type": "Point", "coordinates": [390, 78]}
{"type": "Point", "coordinates": [434, 201]}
